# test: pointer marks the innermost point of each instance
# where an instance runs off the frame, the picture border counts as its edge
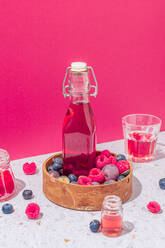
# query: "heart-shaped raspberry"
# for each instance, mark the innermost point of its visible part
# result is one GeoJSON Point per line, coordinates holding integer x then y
{"type": "Point", "coordinates": [29, 168]}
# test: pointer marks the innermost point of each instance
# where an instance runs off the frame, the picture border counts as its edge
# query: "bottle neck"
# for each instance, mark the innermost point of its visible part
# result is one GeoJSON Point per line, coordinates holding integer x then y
{"type": "Point", "coordinates": [79, 98]}
{"type": "Point", "coordinates": [79, 83]}
{"type": "Point", "coordinates": [112, 203]}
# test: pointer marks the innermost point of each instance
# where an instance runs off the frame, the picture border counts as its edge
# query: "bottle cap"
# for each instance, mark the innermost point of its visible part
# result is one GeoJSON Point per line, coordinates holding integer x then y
{"type": "Point", "coordinates": [78, 66]}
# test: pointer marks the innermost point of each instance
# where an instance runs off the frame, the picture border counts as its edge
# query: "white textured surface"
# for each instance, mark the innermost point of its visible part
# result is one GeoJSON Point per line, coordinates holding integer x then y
{"type": "Point", "coordinates": [57, 225]}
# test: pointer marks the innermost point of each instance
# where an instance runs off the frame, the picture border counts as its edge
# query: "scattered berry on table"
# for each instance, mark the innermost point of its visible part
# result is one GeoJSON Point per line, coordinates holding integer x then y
{"type": "Point", "coordinates": [101, 161]}
{"type": "Point", "coordinates": [110, 181]}
{"type": "Point", "coordinates": [57, 160]}
{"type": "Point", "coordinates": [126, 173]}
{"type": "Point", "coordinates": [94, 225]}
{"type": "Point", "coordinates": [54, 174]}
{"type": "Point", "coordinates": [120, 157]}
{"type": "Point", "coordinates": [96, 175]}
{"type": "Point", "coordinates": [32, 211]}
{"type": "Point", "coordinates": [106, 153]}
{"type": "Point", "coordinates": [120, 178]}
{"type": "Point", "coordinates": [123, 166]}
{"type": "Point", "coordinates": [50, 167]}
{"type": "Point", "coordinates": [110, 171]}
{"type": "Point", "coordinates": [162, 183]}
{"type": "Point", "coordinates": [29, 168]}
{"type": "Point", "coordinates": [154, 207]}
{"type": "Point", "coordinates": [83, 180]}
{"type": "Point", "coordinates": [95, 183]}
{"type": "Point", "coordinates": [57, 167]}
{"type": "Point", "coordinates": [7, 208]}
{"type": "Point", "coordinates": [72, 178]}
{"type": "Point", "coordinates": [64, 179]}
{"type": "Point", "coordinates": [27, 194]}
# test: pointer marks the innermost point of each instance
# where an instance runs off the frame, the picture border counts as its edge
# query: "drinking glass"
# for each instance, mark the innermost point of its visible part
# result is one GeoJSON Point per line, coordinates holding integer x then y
{"type": "Point", "coordinates": [140, 136]}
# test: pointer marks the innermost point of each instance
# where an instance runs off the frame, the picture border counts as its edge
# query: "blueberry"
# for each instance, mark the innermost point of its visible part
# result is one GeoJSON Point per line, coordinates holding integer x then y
{"type": "Point", "coordinates": [61, 172]}
{"type": "Point", "coordinates": [110, 181]}
{"type": "Point", "coordinates": [107, 182]}
{"type": "Point", "coordinates": [50, 168]}
{"type": "Point", "coordinates": [57, 167]}
{"type": "Point", "coordinates": [27, 194]}
{"type": "Point", "coordinates": [162, 183]}
{"type": "Point", "coordinates": [7, 208]}
{"type": "Point", "coordinates": [126, 173]}
{"type": "Point", "coordinates": [72, 178]}
{"type": "Point", "coordinates": [57, 160]}
{"type": "Point", "coordinates": [120, 157]}
{"type": "Point", "coordinates": [120, 177]}
{"type": "Point", "coordinates": [74, 182]}
{"type": "Point", "coordinates": [95, 183]}
{"type": "Point", "coordinates": [94, 225]}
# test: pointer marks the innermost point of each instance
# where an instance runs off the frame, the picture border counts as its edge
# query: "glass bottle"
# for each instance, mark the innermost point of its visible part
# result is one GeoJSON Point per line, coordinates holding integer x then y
{"type": "Point", "coordinates": [79, 129]}
{"type": "Point", "coordinates": [111, 216]}
{"type": "Point", "coordinates": [7, 180]}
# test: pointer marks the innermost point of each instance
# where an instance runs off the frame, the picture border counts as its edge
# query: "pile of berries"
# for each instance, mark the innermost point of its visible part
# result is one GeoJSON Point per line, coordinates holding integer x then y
{"type": "Point", "coordinates": [108, 169]}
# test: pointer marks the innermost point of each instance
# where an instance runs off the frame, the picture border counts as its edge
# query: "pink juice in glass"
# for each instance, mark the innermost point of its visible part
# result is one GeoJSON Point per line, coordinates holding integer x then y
{"type": "Point", "coordinates": [79, 139]}
{"type": "Point", "coordinates": [141, 145]}
{"type": "Point", "coordinates": [111, 225]}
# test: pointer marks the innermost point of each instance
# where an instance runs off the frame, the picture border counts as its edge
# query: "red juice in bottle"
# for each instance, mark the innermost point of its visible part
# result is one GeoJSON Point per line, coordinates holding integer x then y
{"type": "Point", "coordinates": [79, 129]}
{"type": "Point", "coordinates": [79, 139]}
{"type": "Point", "coordinates": [111, 216]}
{"type": "Point", "coordinates": [141, 145]}
{"type": "Point", "coordinates": [111, 225]}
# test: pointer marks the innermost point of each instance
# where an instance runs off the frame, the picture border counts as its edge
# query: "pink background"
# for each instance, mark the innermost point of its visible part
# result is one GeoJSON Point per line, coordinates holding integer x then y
{"type": "Point", "coordinates": [124, 41]}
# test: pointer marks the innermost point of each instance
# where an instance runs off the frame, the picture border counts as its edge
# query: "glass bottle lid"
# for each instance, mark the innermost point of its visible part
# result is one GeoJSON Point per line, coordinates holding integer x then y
{"type": "Point", "coordinates": [78, 66]}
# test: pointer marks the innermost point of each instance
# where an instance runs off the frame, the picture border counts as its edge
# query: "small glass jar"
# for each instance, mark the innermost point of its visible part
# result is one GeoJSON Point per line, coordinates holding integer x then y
{"type": "Point", "coordinates": [111, 216]}
{"type": "Point", "coordinates": [7, 180]}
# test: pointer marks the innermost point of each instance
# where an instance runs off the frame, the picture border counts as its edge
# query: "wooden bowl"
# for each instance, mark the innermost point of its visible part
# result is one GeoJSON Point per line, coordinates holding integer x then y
{"type": "Point", "coordinates": [82, 197]}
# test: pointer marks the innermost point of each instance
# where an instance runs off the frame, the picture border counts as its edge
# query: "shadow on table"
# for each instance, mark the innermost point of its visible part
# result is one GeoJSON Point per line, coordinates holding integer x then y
{"type": "Point", "coordinates": [127, 227]}
{"type": "Point", "coordinates": [136, 189]}
{"type": "Point", "coordinates": [159, 153]}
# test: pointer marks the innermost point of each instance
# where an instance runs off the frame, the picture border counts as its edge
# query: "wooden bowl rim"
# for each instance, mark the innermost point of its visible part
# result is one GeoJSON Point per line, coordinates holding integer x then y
{"type": "Point", "coordinates": [82, 186]}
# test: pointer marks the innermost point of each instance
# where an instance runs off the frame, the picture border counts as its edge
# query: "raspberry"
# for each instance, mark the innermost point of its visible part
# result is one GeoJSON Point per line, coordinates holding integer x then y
{"type": "Point", "coordinates": [106, 153]}
{"type": "Point", "coordinates": [29, 169]}
{"type": "Point", "coordinates": [112, 160]}
{"type": "Point", "coordinates": [83, 180]}
{"type": "Point", "coordinates": [101, 161]}
{"type": "Point", "coordinates": [96, 175]}
{"type": "Point", "coordinates": [32, 211]}
{"type": "Point", "coordinates": [154, 207]}
{"type": "Point", "coordinates": [123, 166]}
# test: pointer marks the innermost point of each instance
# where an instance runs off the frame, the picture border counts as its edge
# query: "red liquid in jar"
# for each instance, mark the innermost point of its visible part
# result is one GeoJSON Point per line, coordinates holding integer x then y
{"type": "Point", "coordinates": [141, 145]}
{"type": "Point", "coordinates": [111, 225]}
{"type": "Point", "coordinates": [6, 184]}
{"type": "Point", "coordinates": [79, 139]}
